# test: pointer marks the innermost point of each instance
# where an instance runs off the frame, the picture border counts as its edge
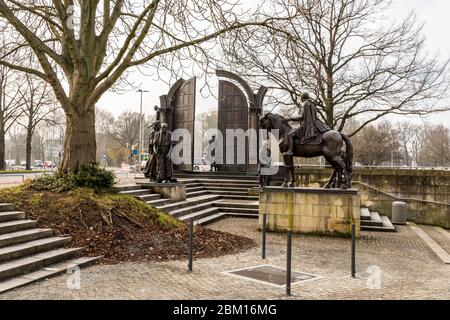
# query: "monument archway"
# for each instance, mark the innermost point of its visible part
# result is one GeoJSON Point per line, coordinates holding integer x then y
{"type": "Point", "coordinates": [238, 109]}
{"type": "Point", "coordinates": [178, 111]}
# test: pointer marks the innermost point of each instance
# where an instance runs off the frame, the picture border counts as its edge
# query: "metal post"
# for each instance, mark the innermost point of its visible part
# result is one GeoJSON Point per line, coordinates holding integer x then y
{"type": "Point", "coordinates": [353, 251]}
{"type": "Point", "coordinates": [141, 139]}
{"type": "Point", "coordinates": [191, 240]}
{"type": "Point", "coordinates": [288, 263]}
{"type": "Point", "coordinates": [264, 236]}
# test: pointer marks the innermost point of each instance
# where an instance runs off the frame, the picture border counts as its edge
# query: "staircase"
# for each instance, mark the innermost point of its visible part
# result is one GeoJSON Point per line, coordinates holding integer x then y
{"type": "Point", "coordinates": [209, 197]}
{"type": "Point", "coordinates": [372, 221]}
{"type": "Point", "coordinates": [28, 253]}
{"type": "Point", "coordinates": [214, 195]}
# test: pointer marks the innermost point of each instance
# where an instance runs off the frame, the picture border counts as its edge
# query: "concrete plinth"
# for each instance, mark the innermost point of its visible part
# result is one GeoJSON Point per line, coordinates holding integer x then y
{"type": "Point", "coordinates": [310, 210]}
{"type": "Point", "coordinates": [172, 191]}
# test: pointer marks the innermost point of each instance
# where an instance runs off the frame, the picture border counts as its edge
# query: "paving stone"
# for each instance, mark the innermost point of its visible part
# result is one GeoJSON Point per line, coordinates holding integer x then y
{"type": "Point", "coordinates": [408, 269]}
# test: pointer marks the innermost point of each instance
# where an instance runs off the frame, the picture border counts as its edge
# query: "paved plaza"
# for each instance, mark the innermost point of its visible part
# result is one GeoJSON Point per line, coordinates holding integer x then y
{"type": "Point", "coordinates": [389, 266]}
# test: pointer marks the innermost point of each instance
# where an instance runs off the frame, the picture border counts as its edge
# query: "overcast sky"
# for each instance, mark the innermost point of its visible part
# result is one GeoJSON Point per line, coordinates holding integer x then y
{"type": "Point", "coordinates": [434, 13]}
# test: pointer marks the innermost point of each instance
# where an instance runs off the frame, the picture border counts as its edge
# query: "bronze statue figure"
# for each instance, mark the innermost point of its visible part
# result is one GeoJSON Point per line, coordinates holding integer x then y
{"type": "Point", "coordinates": [311, 128]}
{"type": "Point", "coordinates": [330, 146]}
{"type": "Point", "coordinates": [150, 167]}
{"type": "Point", "coordinates": [157, 114]}
{"type": "Point", "coordinates": [163, 148]}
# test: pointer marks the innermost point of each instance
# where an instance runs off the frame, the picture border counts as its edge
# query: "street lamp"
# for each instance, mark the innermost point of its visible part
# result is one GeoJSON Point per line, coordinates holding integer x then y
{"type": "Point", "coordinates": [141, 131]}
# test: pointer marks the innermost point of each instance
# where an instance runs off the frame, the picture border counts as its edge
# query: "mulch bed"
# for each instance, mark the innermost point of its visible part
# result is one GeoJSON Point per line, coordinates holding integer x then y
{"type": "Point", "coordinates": [147, 239]}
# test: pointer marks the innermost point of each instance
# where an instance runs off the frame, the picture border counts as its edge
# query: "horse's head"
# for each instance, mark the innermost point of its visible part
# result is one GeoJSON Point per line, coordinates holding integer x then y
{"type": "Point", "coordinates": [271, 121]}
{"type": "Point", "coordinates": [264, 122]}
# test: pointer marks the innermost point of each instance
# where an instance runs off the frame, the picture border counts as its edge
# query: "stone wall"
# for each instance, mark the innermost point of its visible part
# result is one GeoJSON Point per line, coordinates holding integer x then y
{"type": "Point", "coordinates": [426, 192]}
{"type": "Point", "coordinates": [420, 184]}
{"type": "Point", "coordinates": [308, 210]}
{"type": "Point", "coordinates": [419, 211]}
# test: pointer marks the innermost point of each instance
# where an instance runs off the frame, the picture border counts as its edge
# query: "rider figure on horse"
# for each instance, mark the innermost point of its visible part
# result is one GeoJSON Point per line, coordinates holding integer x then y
{"type": "Point", "coordinates": [311, 128]}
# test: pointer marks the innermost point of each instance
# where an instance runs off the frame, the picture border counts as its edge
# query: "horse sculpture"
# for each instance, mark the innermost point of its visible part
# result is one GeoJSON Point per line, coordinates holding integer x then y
{"type": "Point", "coordinates": [330, 148]}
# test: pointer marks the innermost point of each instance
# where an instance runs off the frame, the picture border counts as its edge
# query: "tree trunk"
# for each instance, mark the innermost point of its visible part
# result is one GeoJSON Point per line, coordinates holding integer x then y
{"type": "Point", "coordinates": [28, 149]}
{"type": "Point", "coordinates": [79, 143]}
{"type": "Point", "coordinates": [2, 150]}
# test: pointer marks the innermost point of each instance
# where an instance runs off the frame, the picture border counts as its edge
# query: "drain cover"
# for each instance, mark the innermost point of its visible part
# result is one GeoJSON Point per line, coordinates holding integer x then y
{"type": "Point", "coordinates": [272, 275]}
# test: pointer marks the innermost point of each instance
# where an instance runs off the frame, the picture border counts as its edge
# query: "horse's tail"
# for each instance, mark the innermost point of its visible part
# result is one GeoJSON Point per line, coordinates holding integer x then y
{"type": "Point", "coordinates": [348, 157]}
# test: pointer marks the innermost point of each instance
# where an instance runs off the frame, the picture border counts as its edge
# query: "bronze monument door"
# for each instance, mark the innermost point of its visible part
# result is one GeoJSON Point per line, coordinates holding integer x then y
{"type": "Point", "coordinates": [233, 114]}
{"type": "Point", "coordinates": [184, 117]}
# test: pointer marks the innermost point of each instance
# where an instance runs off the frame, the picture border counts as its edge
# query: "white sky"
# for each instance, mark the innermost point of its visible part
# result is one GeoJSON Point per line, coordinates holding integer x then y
{"type": "Point", "coordinates": [434, 13]}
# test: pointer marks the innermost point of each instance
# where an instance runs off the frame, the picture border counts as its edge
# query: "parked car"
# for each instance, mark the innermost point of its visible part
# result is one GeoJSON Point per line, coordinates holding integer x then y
{"type": "Point", "coordinates": [38, 163]}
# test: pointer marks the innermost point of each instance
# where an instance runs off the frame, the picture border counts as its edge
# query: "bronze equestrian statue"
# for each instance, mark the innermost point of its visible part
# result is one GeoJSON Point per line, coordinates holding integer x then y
{"type": "Point", "coordinates": [312, 139]}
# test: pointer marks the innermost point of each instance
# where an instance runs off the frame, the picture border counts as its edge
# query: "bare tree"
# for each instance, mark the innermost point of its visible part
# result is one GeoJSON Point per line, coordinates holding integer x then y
{"type": "Point", "coordinates": [104, 125]}
{"type": "Point", "coordinates": [91, 45]}
{"type": "Point", "coordinates": [38, 106]}
{"type": "Point", "coordinates": [348, 56]}
{"type": "Point", "coordinates": [375, 145]}
{"type": "Point", "coordinates": [10, 103]}
{"type": "Point", "coordinates": [435, 150]}
{"type": "Point", "coordinates": [126, 129]}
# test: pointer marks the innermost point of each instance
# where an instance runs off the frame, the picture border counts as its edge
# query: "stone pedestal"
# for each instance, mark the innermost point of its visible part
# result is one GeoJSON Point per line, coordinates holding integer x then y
{"type": "Point", "coordinates": [310, 210]}
{"type": "Point", "coordinates": [172, 191]}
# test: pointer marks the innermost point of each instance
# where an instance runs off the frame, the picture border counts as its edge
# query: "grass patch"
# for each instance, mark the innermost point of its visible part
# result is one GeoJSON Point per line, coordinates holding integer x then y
{"type": "Point", "coordinates": [119, 227]}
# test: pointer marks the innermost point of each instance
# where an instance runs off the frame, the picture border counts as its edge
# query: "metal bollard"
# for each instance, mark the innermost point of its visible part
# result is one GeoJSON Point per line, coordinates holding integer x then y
{"type": "Point", "coordinates": [353, 250]}
{"type": "Point", "coordinates": [264, 236]}
{"type": "Point", "coordinates": [288, 262]}
{"type": "Point", "coordinates": [191, 240]}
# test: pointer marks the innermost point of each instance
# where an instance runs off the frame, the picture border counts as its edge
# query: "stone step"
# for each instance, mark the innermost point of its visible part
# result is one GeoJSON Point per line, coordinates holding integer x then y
{"type": "Point", "coordinates": [227, 189]}
{"type": "Point", "coordinates": [237, 214]}
{"type": "Point", "coordinates": [136, 192]}
{"type": "Point", "coordinates": [240, 197]}
{"type": "Point", "coordinates": [365, 214]}
{"type": "Point", "coordinates": [200, 214]}
{"type": "Point", "coordinates": [45, 272]}
{"type": "Point", "coordinates": [231, 204]}
{"type": "Point", "coordinates": [11, 226]}
{"type": "Point", "coordinates": [230, 186]}
{"type": "Point", "coordinates": [11, 215]}
{"type": "Point", "coordinates": [148, 197]}
{"type": "Point", "coordinates": [387, 226]}
{"type": "Point", "coordinates": [36, 261]}
{"type": "Point", "coordinates": [196, 193]}
{"type": "Point", "coordinates": [131, 187]}
{"type": "Point", "coordinates": [191, 209]}
{"type": "Point", "coordinates": [219, 181]}
{"type": "Point", "coordinates": [24, 236]}
{"type": "Point", "coordinates": [159, 202]}
{"type": "Point", "coordinates": [6, 207]}
{"type": "Point", "coordinates": [239, 210]}
{"type": "Point", "coordinates": [209, 219]}
{"type": "Point", "coordinates": [229, 192]}
{"type": "Point", "coordinates": [193, 189]}
{"type": "Point", "coordinates": [192, 185]}
{"type": "Point", "coordinates": [189, 202]}
{"type": "Point", "coordinates": [375, 219]}
{"type": "Point", "coordinates": [32, 247]}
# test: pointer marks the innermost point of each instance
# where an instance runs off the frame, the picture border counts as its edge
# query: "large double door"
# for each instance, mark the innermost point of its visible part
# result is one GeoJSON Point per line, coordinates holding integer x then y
{"type": "Point", "coordinates": [233, 114]}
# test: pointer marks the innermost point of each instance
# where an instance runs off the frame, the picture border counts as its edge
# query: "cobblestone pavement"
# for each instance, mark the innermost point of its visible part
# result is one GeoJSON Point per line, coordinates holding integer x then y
{"type": "Point", "coordinates": [407, 269]}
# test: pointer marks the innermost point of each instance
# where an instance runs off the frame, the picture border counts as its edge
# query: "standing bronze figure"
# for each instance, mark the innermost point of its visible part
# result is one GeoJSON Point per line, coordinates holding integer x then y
{"type": "Point", "coordinates": [163, 148]}
{"type": "Point", "coordinates": [150, 167]}
{"type": "Point", "coordinates": [328, 144]}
